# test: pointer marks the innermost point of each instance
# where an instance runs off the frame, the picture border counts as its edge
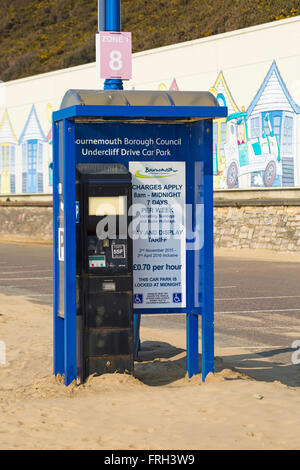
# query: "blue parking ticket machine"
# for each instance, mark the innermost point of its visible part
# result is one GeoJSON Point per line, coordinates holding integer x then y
{"type": "Point", "coordinates": [104, 286]}
{"type": "Point", "coordinates": [146, 156]}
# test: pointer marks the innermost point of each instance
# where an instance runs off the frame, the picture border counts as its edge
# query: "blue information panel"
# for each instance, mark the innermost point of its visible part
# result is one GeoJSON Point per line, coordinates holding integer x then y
{"type": "Point", "coordinates": [164, 185]}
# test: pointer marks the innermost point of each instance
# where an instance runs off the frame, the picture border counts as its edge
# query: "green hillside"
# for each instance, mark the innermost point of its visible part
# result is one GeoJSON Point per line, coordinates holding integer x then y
{"type": "Point", "coordinates": [38, 36]}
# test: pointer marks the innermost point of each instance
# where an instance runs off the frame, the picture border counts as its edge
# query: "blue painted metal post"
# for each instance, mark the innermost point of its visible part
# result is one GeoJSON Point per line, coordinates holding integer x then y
{"type": "Point", "coordinates": [101, 15]}
{"type": "Point", "coordinates": [113, 15]}
{"type": "Point", "coordinates": [192, 346]}
{"type": "Point", "coordinates": [70, 252]}
{"type": "Point", "coordinates": [207, 259]}
{"type": "Point", "coordinates": [58, 323]}
{"type": "Point", "coordinates": [192, 320]}
{"type": "Point", "coordinates": [113, 23]}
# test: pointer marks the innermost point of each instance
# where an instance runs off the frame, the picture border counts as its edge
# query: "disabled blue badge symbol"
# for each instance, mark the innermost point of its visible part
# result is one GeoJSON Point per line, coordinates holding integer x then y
{"type": "Point", "coordinates": [138, 298]}
{"type": "Point", "coordinates": [177, 298]}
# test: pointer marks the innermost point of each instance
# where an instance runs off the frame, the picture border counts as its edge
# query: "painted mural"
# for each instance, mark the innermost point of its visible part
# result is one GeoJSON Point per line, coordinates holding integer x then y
{"type": "Point", "coordinates": [271, 119]}
{"type": "Point", "coordinates": [256, 148]}
{"type": "Point", "coordinates": [8, 146]}
{"type": "Point", "coordinates": [32, 144]}
{"type": "Point", "coordinates": [252, 148]}
{"type": "Point", "coordinates": [25, 163]}
{"type": "Point", "coordinates": [221, 91]}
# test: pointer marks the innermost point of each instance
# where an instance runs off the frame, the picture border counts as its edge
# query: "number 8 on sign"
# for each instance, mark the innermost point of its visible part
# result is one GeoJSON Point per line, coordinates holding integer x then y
{"type": "Point", "coordinates": [116, 60]}
{"type": "Point", "coordinates": [114, 55]}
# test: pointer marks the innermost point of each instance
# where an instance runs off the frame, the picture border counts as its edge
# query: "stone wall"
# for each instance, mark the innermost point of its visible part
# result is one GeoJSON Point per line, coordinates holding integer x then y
{"type": "Point", "coordinates": [270, 227]}
{"type": "Point", "coordinates": [26, 223]}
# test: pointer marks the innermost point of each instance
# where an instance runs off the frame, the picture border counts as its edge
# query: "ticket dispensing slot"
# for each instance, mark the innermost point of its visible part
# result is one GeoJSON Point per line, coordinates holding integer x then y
{"type": "Point", "coordinates": [104, 270]}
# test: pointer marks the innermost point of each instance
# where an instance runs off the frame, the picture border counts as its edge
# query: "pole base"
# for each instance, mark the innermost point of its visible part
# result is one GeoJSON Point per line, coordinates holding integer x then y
{"type": "Point", "coordinates": [113, 84]}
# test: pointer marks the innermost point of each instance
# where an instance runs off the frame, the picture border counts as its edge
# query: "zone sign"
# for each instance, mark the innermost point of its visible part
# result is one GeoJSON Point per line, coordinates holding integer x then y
{"type": "Point", "coordinates": [114, 55]}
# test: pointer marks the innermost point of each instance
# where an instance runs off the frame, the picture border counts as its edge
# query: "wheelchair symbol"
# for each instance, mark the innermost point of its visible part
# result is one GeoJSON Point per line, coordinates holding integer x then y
{"type": "Point", "coordinates": [177, 298]}
{"type": "Point", "coordinates": [138, 299]}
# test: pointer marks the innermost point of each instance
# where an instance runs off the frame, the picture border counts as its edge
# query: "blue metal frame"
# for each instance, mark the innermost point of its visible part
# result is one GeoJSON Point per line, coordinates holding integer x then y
{"type": "Point", "coordinates": [58, 323]}
{"type": "Point", "coordinates": [207, 259]}
{"type": "Point", "coordinates": [70, 253]}
{"type": "Point", "coordinates": [65, 355]}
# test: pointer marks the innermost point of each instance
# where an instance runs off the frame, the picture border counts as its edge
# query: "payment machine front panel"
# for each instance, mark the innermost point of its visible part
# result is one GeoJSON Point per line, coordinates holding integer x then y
{"type": "Point", "coordinates": [112, 252]}
{"type": "Point", "coordinates": [104, 275]}
{"type": "Point", "coordinates": [108, 255]}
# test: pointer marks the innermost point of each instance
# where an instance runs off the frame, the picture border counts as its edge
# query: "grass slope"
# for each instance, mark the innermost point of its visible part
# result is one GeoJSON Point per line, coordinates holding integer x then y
{"type": "Point", "coordinates": [38, 36]}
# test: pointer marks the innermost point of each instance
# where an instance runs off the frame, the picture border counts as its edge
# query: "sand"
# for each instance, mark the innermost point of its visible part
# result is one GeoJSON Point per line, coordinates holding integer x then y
{"type": "Point", "coordinates": [158, 409]}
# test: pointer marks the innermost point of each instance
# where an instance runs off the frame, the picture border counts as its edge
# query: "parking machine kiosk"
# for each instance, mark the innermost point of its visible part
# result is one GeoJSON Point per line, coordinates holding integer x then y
{"type": "Point", "coordinates": [161, 143]}
{"type": "Point", "coordinates": [104, 270]}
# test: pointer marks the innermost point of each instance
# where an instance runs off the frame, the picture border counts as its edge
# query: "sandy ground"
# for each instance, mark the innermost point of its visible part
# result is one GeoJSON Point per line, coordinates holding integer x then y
{"type": "Point", "coordinates": [158, 409]}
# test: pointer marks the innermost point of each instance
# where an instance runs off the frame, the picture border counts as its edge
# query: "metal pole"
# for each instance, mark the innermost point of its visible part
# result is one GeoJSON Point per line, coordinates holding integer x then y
{"type": "Point", "coordinates": [113, 15]}
{"type": "Point", "coordinates": [101, 15]}
{"type": "Point", "coordinates": [113, 23]}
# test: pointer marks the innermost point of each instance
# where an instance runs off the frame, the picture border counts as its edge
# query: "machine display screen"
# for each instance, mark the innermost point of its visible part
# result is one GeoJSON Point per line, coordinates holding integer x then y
{"type": "Point", "coordinates": [100, 206]}
{"type": "Point", "coordinates": [97, 262]}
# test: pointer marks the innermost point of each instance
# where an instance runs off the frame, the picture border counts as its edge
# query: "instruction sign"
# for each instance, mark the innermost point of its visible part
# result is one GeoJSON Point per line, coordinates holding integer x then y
{"type": "Point", "coordinates": [159, 234]}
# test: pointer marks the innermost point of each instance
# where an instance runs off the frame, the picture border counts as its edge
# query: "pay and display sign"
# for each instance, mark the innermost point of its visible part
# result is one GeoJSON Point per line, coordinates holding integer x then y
{"type": "Point", "coordinates": [159, 257]}
{"type": "Point", "coordinates": [114, 55]}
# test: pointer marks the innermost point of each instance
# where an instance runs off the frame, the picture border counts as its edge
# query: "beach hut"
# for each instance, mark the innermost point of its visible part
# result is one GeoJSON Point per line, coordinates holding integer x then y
{"type": "Point", "coordinates": [174, 86]}
{"type": "Point", "coordinates": [8, 146]}
{"type": "Point", "coordinates": [274, 111]}
{"type": "Point", "coordinates": [32, 142]}
{"type": "Point", "coordinates": [221, 91]}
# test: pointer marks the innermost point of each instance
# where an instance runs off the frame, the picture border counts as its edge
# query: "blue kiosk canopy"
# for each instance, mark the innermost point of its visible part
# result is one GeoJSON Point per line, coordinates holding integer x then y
{"type": "Point", "coordinates": [165, 139]}
{"type": "Point", "coordinates": [138, 98]}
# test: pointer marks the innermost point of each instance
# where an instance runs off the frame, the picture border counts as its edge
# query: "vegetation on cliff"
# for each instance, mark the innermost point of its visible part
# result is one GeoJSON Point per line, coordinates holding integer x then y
{"type": "Point", "coordinates": [38, 36]}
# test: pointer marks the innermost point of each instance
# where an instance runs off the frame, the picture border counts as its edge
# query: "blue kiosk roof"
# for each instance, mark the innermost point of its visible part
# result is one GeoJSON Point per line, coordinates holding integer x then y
{"type": "Point", "coordinates": [139, 105]}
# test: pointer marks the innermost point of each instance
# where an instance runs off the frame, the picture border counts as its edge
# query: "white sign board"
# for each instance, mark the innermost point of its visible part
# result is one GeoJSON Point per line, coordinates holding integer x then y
{"type": "Point", "coordinates": [158, 228]}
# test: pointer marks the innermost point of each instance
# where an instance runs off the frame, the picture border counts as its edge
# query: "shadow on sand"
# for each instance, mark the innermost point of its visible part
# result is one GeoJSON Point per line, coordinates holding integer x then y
{"type": "Point", "coordinates": [161, 363]}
